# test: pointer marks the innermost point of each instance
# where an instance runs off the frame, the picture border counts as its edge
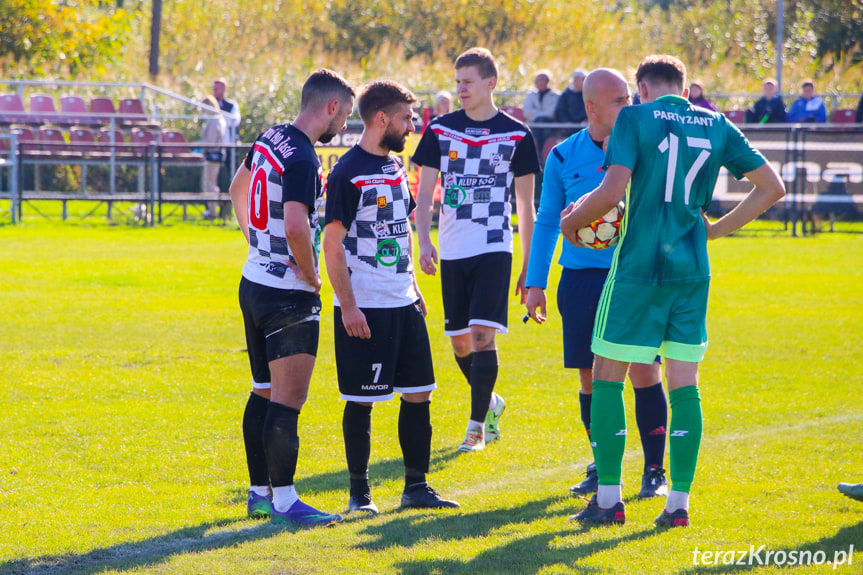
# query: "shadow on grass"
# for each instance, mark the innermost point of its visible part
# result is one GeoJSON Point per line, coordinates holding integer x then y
{"type": "Point", "coordinates": [529, 554]}
{"type": "Point", "coordinates": [146, 553]}
{"type": "Point", "coordinates": [379, 472]}
{"type": "Point", "coordinates": [838, 543]}
{"type": "Point", "coordinates": [523, 556]}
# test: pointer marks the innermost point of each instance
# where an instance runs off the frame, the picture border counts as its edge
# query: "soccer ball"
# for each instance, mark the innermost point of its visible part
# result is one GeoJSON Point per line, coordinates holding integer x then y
{"type": "Point", "coordinates": [604, 232]}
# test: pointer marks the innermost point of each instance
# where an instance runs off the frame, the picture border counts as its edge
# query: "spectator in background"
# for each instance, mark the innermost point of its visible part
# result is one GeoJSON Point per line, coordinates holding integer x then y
{"type": "Point", "coordinates": [858, 118]}
{"type": "Point", "coordinates": [212, 133]}
{"type": "Point", "coordinates": [696, 96]}
{"type": "Point", "coordinates": [808, 107]}
{"type": "Point", "coordinates": [539, 105]}
{"type": "Point", "coordinates": [231, 108]}
{"type": "Point", "coordinates": [770, 109]}
{"type": "Point", "coordinates": [442, 104]}
{"type": "Point", "coordinates": [570, 106]}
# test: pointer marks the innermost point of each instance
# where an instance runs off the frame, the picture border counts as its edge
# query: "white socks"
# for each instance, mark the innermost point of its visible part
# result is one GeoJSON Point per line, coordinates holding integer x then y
{"type": "Point", "coordinates": [284, 497]}
{"type": "Point", "coordinates": [609, 495]}
{"type": "Point", "coordinates": [677, 500]}
{"type": "Point", "coordinates": [475, 425]}
{"type": "Point", "coordinates": [262, 490]}
{"type": "Point", "coordinates": [492, 402]}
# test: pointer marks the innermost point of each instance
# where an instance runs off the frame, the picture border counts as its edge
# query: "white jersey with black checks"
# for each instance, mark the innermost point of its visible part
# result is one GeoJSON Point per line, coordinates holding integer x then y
{"type": "Point", "coordinates": [478, 162]}
{"type": "Point", "coordinates": [369, 195]}
{"type": "Point", "coordinates": [284, 167]}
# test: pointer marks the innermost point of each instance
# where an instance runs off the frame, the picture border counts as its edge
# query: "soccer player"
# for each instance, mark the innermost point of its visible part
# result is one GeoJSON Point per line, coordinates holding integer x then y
{"type": "Point", "coordinates": [573, 169]}
{"type": "Point", "coordinates": [276, 193]}
{"type": "Point", "coordinates": [481, 154]}
{"type": "Point", "coordinates": [382, 345]}
{"type": "Point", "coordinates": [669, 153]}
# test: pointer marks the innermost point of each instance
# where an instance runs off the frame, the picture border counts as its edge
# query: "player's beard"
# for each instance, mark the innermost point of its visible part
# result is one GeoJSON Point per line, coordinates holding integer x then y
{"type": "Point", "coordinates": [332, 131]}
{"type": "Point", "coordinates": [394, 141]}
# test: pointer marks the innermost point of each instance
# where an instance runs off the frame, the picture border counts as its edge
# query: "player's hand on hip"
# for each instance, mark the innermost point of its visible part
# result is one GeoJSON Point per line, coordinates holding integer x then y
{"type": "Point", "coordinates": [709, 226]}
{"type": "Point", "coordinates": [536, 299]}
{"type": "Point", "coordinates": [428, 259]}
{"type": "Point", "coordinates": [519, 286]}
{"type": "Point", "coordinates": [355, 323]}
{"type": "Point", "coordinates": [314, 281]}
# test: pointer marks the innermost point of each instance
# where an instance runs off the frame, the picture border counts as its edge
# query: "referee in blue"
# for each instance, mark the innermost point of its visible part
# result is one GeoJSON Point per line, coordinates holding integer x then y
{"type": "Point", "coordinates": [573, 169]}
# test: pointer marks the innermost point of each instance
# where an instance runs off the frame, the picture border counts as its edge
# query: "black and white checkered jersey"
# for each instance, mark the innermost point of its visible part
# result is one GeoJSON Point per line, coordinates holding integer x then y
{"type": "Point", "coordinates": [478, 162]}
{"type": "Point", "coordinates": [369, 195]}
{"type": "Point", "coordinates": [285, 168]}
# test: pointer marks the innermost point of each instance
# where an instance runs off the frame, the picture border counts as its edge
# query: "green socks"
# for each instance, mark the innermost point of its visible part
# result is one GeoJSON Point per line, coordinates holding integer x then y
{"type": "Point", "coordinates": [608, 430]}
{"type": "Point", "coordinates": [684, 435]}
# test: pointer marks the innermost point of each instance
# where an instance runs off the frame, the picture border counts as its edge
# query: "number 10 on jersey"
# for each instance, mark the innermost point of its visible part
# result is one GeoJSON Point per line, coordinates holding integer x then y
{"type": "Point", "coordinates": [670, 144]}
{"type": "Point", "coordinates": [259, 204]}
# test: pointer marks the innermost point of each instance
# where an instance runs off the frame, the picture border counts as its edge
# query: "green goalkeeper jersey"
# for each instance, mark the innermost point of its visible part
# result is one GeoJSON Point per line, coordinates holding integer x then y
{"type": "Point", "coordinates": [675, 151]}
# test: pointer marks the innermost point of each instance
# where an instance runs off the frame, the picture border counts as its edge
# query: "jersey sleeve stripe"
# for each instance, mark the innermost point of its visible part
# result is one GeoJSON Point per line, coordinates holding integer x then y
{"type": "Point", "coordinates": [479, 141]}
{"type": "Point", "coordinates": [361, 181]}
{"type": "Point", "coordinates": [264, 151]}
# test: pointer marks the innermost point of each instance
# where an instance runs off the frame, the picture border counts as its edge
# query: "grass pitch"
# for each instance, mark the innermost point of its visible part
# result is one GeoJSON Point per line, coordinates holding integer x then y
{"type": "Point", "coordinates": [124, 379]}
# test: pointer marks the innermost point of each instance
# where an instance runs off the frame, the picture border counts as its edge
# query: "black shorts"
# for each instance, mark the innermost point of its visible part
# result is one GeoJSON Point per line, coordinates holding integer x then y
{"type": "Point", "coordinates": [577, 299]}
{"type": "Point", "coordinates": [475, 291]}
{"type": "Point", "coordinates": [396, 359]}
{"type": "Point", "coordinates": [279, 323]}
{"type": "Point", "coordinates": [578, 295]}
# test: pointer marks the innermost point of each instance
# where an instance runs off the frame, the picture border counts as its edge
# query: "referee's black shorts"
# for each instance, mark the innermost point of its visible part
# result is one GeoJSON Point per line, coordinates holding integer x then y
{"type": "Point", "coordinates": [578, 296]}
{"type": "Point", "coordinates": [475, 291]}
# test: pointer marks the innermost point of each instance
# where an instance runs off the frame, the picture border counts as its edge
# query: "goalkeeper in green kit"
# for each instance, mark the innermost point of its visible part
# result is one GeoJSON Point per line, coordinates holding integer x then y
{"type": "Point", "coordinates": [665, 156]}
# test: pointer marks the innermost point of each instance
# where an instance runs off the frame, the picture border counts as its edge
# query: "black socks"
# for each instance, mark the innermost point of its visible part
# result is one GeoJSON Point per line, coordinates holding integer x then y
{"type": "Point", "coordinates": [483, 375]}
{"type": "Point", "coordinates": [281, 443]}
{"type": "Point", "coordinates": [253, 436]}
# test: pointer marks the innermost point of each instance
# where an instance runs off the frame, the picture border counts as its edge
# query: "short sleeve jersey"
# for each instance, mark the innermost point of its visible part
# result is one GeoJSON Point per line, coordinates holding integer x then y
{"type": "Point", "coordinates": [369, 195]}
{"type": "Point", "coordinates": [285, 168]}
{"type": "Point", "coordinates": [478, 162]}
{"type": "Point", "coordinates": [675, 151]}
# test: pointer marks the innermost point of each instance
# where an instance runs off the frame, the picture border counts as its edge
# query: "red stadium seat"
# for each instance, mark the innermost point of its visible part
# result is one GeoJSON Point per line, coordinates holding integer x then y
{"type": "Point", "coordinates": [52, 140]}
{"type": "Point", "coordinates": [736, 116]}
{"type": "Point", "coordinates": [140, 140]}
{"type": "Point", "coordinates": [132, 112]}
{"type": "Point", "coordinates": [75, 106]}
{"type": "Point", "coordinates": [42, 108]}
{"type": "Point", "coordinates": [12, 110]}
{"type": "Point", "coordinates": [143, 137]}
{"type": "Point", "coordinates": [843, 117]}
{"type": "Point", "coordinates": [85, 139]}
{"type": "Point", "coordinates": [102, 109]}
{"type": "Point", "coordinates": [26, 139]}
{"type": "Point", "coordinates": [119, 141]}
{"type": "Point", "coordinates": [514, 111]}
{"type": "Point", "coordinates": [174, 140]}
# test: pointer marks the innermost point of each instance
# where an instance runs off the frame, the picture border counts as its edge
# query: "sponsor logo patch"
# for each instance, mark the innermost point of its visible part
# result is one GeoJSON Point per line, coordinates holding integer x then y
{"type": "Point", "coordinates": [389, 169]}
{"type": "Point", "coordinates": [477, 131]}
{"type": "Point", "coordinates": [389, 252]}
{"type": "Point", "coordinates": [391, 229]}
{"type": "Point", "coordinates": [382, 201]}
{"type": "Point", "coordinates": [453, 155]}
{"type": "Point", "coordinates": [475, 181]}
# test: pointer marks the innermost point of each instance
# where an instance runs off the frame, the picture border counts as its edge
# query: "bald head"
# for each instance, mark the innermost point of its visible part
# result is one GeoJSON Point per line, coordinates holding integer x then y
{"type": "Point", "coordinates": [605, 93]}
{"type": "Point", "coordinates": [601, 80]}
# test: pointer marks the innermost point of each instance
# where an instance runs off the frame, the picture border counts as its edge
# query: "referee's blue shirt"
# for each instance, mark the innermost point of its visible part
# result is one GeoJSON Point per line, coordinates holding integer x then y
{"type": "Point", "coordinates": [573, 169]}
